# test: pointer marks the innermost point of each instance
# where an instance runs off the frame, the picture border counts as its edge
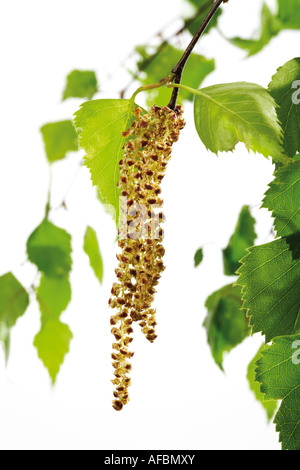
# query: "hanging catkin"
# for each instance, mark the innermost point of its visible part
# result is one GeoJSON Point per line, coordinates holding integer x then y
{"type": "Point", "coordinates": [146, 154]}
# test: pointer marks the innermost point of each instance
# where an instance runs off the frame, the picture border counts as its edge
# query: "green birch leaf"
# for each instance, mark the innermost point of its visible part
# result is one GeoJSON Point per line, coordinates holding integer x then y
{"type": "Point", "coordinates": [52, 344]}
{"type": "Point", "coordinates": [289, 13]}
{"type": "Point", "coordinates": [285, 89]}
{"type": "Point", "coordinates": [226, 323]}
{"type": "Point", "coordinates": [270, 279]}
{"type": "Point", "coordinates": [101, 123]}
{"type": "Point", "coordinates": [252, 46]}
{"type": "Point", "coordinates": [14, 300]}
{"type": "Point", "coordinates": [270, 406]}
{"type": "Point", "coordinates": [243, 237]}
{"type": "Point", "coordinates": [278, 371]}
{"type": "Point", "coordinates": [59, 139]}
{"type": "Point", "coordinates": [49, 247]}
{"type": "Point", "coordinates": [53, 296]}
{"type": "Point", "coordinates": [293, 242]}
{"type": "Point", "coordinates": [238, 112]}
{"type": "Point", "coordinates": [282, 199]}
{"type": "Point", "coordinates": [270, 27]}
{"type": "Point", "coordinates": [198, 258]}
{"type": "Point", "coordinates": [159, 66]}
{"type": "Point", "coordinates": [80, 84]}
{"type": "Point", "coordinates": [52, 341]}
{"type": "Point", "coordinates": [91, 248]}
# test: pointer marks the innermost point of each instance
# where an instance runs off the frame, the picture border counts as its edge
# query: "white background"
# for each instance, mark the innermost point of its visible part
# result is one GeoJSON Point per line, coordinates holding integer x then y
{"type": "Point", "coordinates": [179, 398]}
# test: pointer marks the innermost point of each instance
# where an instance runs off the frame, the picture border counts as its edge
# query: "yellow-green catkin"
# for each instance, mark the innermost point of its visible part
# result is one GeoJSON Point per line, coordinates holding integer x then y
{"type": "Point", "coordinates": [146, 154]}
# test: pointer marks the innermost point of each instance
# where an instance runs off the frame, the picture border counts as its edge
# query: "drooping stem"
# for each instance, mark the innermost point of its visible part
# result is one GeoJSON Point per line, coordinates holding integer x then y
{"type": "Point", "coordinates": [63, 203]}
{"type": "Point", "coordinates": [162, 82]}
{"type": "Point", "coordinates": [178, 69]}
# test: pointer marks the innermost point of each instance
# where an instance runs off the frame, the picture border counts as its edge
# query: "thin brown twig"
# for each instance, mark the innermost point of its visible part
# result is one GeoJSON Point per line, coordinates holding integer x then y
{"type": "Point", "coordinates": [179, 68]}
